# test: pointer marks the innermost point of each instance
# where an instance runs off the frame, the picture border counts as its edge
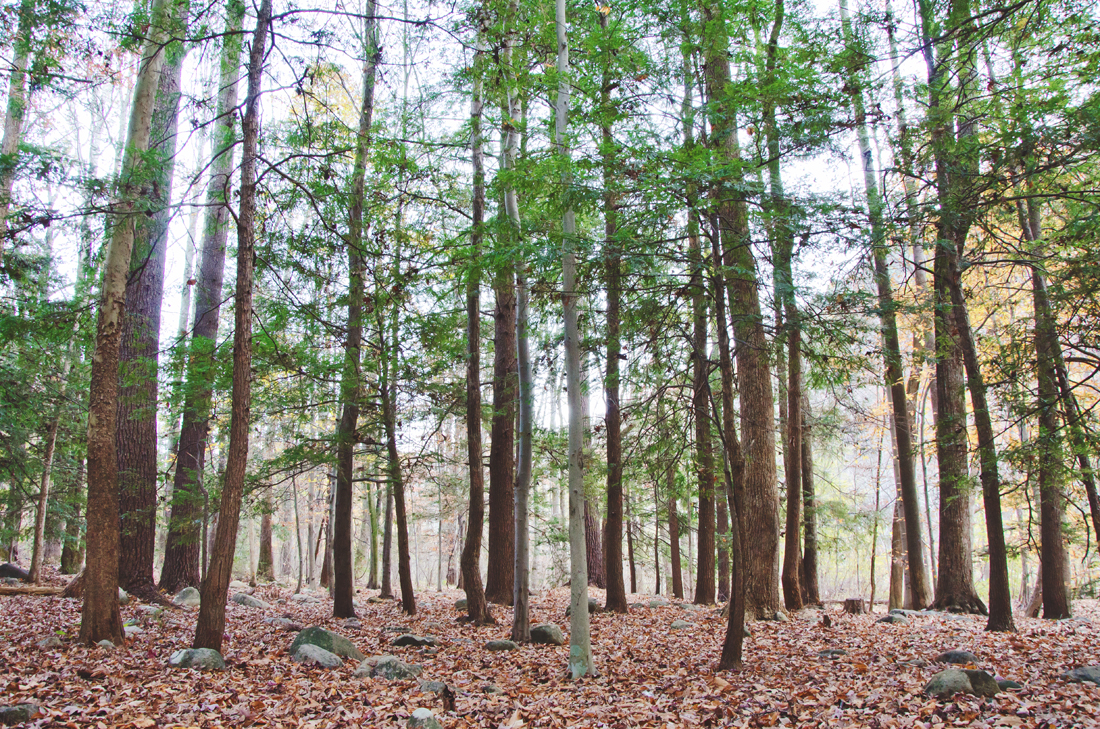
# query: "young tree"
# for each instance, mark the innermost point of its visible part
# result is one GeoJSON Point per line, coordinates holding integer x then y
{"type": "Point", "coordinates": [350, 391]}
{"type": "Point", "coordinates": [210, 626]}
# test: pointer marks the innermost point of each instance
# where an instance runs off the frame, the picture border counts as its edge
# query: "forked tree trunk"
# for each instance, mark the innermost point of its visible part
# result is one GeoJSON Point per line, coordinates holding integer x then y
{"type": "Point", "coordinates": [100, 617]}
{"type": "Point", "coordinates": [210, 627]}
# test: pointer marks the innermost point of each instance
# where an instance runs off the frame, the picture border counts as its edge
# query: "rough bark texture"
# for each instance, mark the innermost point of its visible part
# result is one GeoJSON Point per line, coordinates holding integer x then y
{"type": "Point", "coordinates": [593, 549]}
{"type": "Point", "coordinates": [210, 627]}
{"type": "Point", "coordinates": [1056, 604]}
{"type": "Point", "coordinates": [674, 539]}
{"type": "Point", "coordinates": [760, 501]}
{"type": "Point", "coordinates": [181, 558]}
{"type": "Point", "coordinates": [704, 455]}
{"type": "Point", "coordinates": [476, 606]}
{"type": "Point", "coordinates": [14, 115]}
{"type": "Point", "coordinates": [100, 617]}
{"type": "Point", "coordinates": [502, 462]}
{"type": "Point", "coordinates": [265, 563]}
{"type": "Point", "coordinates": [811, 593]}
{"type": "Point", "coordinates": [136, 439]}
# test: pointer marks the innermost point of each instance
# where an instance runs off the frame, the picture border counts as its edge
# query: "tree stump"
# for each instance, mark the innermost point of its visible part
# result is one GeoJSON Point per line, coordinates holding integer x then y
{"type": "Point", "coordinates": [854, 606]}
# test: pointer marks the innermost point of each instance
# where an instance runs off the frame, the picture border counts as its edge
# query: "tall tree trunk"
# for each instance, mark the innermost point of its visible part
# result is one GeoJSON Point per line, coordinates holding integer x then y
{"type": "Point", "coordinates": [72, 555]}
{"type": "Point", "coordinates": [1056, 603]}
{"type": "Point", "coordinates": [210, 626]}
{"type": "Point", "coordinates": [674, 538]}
{"type": "Point", "coordinates": [477, 608]}
{"type": "Point", "coordinates": [386, 590]}
{"type": "Point", "coordinates": [388, 391]}
{"type": "Point", "coordinates": [343, 572]}
{"type": "Point", "coordinates": [136, 439]}
{"type": "Point", "coordinates": [897, 558]}
{"type": "Point", "coordinates": [812, 595]}
{"type": "Point", "coordinates": [613, 537]}
{"type": "Point", "coordinates": [100, 617]}
{"type": "Point", "coordinates": [891, 349]}
{"type": "Point", "coordinates": [734, 472]}
{"type": "Point", "coordinates": [761, 494]}
{"type": "Point", "coordinates": [182, 547]}
{"type": "Point", "coordinates": [593, 550]}
{"type": "Point", "coordinates": [580, 643]}
{"type": "Point", "coordinates": [499, 574]}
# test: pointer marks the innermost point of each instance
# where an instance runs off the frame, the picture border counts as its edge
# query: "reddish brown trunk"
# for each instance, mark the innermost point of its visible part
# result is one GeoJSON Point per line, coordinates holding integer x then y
{"type": "Point", "coordinates": [593, 539]}
{"type": "Point", "coordinates": [500, 574]}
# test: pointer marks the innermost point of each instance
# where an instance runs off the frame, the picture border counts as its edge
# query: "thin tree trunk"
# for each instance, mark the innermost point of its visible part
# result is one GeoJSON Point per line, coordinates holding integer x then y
{"type": "Point", "coordinates": [580, 644]}
{"type": "Point", "coordinates": [387, 390]}
{"type": "Point", "coordinates": [183, 543]}
{"type": "Point", "coordinates": [343, 572]}
{"type": "Point", "coordinates": [674, 538]}
{"type": "Point", "coordinates": [891, 350]}
{"type": "Point", "coordinates": [298, 534]}
{"type": "Point", "coordinates": [100, 617]}
{"type": "Point", "coordinates": [265, 563]}
{"type": "Point", "coordinates": [210, 626]}
{"type": "Point", "coordinates": [809, 510]}
{"type": "Point", "coordinates": [386, 590]}
{"type": "Point", "coordinates": [477, 608]}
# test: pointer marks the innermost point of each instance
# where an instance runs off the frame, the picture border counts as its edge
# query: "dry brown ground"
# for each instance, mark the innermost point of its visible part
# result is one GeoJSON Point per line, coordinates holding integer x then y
{"type": "Point", "coordinates": [650, 675]}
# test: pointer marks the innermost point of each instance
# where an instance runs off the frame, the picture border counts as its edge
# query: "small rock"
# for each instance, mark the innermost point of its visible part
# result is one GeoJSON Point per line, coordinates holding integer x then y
{"type": "Point", "coordinates": [461, 604]}
{"type": "Point", "coordinates": [106, 645]}
{"type": "Point", "coordinates": [18, 714]}
{"type": "Point", "coordinates": [692, 607]}
{"type": "Point", "coordinates": [187, 597]}
{"type": "Point", "coordinates": [51, 641]}
{"type": "Point", "coordinates": [1084, 674]}
{"type": "Point", "coordinates": [832, 653]}
{"type": "Point", "coordinates": [946, 684]}
{"type": "Point", "coordinates": [433, 687]}
{"type": "Point", "coordinates": [593, 607]}
{"type": "Point", "coordinates": [304, 598]}
{"type": "Point", "coordinates": [375, 599]}
{"type": "Point", "coordinates": [780, 616]}
{"type": "Point", "coordinates": [395, 629]}
{"type": "Point", "coordinates": [423, 719]}
{"type": "Point", "coordinates": [387, 667]}
{"type": "Point", "coordinates": [238, 585]}
{"type": "Point", "coordinates": [746, 632]}
{"type": "Point", "coordinates": [1005, 684]}
{"type": "Point", "coordinates": [500, 645]}
{"type": "Point", "coordinates": [680, 624]}
{"type": "Point", "coordinates": [331, 642]}
{"type": "Point", "coordinates": [914, 663]}
{"type": "Point", "coordinates": [547, 634]}
{"type": "Point", "coordinates": [434, 626]}
{"type": "Point", "coordinates": [491, 689]}
{"type": "Point", "coordinates": [658, 602]}
{"type": "Point", "coordinates": [123, 597]}
{"type": "Point", "coordinates": [905, 613]}
{"type": "Point", "coordinates": [957, 656]}
{"type": "Point", "coordinates": [284, 623]}
{"type": "Point", "coordinates": [131, 630]}
{"type": "Point", "coordinates": [352, 624]}
{"type": "Point", "coordinates": [894, 618]}
{"type": "Point", "coordinates": [200, 658]}
{"type": "Point", "coordinates": [418, 641]}
{"type": "Point", "coordinates": [314, 655]}
{"type": "Point", "coordinates": [243, 598]}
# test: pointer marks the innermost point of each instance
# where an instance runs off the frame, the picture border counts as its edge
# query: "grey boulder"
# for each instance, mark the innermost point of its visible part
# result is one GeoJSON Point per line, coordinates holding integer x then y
{"type": "Point", "coordinates": [423, 719]}
{"type": "Point", "coordinates": [547, 634]}
{"type": "Point", "coordinates": [200, 658]}
{"type": "Point", "coordinates": [417, 641]}
{"type": "Point", "coordinates": [187, 597]}
{"type": "Point", "coordinates": [1084, 674]}
{"type": "Point", "coordinates": [243, 598]}
{"type": "Point", "coordinates": [946, 684]}
{"type": "Point", "coordinates": [894, 618]}
{"type": "Point", "coordinates": [500, 645]}
{"type": "Point", "coordinates": [314, 655]}
{"type": "Point", "coordinates": [957, 656]}
{"type": "Point", "coordinates": [680, 624]}
{"type": "Point", "coordinates": [387, 667]}
{"type": "Point", "coordinates": [331, 642]}
{"type": "Point", "coordinates": [18, 714]}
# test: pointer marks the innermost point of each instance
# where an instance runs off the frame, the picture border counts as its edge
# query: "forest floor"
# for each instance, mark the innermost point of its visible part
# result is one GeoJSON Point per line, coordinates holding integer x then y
{"type": "Point", "coordinates": [650, 675]}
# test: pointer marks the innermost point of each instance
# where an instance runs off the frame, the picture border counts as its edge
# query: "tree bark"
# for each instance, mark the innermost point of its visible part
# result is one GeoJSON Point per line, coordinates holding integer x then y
{"type": "Point", "coordinates": [812, 594]}
{"type": "Point", "coordinates": [761, 494]}
{"type": "Point", "coordinates": [100, 617]}
{"type": "Point", "coordinates": [477, 609]}
{"type": "Point", "coordinates": [183, 544]}
{"type": "Point", "coordinates": [210, 626]}
{"type": "Point", "coordinates": [265, 563]}
{"type": "Point", "coordinates": [343, 572]}
{"type": "Point", "coordinates": [14, 115]}
{"type": "Point", "coordinates": [891, 343]}
{"type": "Point", "coordinates": [593, 549]}
{"type": "Point", "coordinates": [580, 643]}
{"type": "Point", "coordinates": [136, 439]}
